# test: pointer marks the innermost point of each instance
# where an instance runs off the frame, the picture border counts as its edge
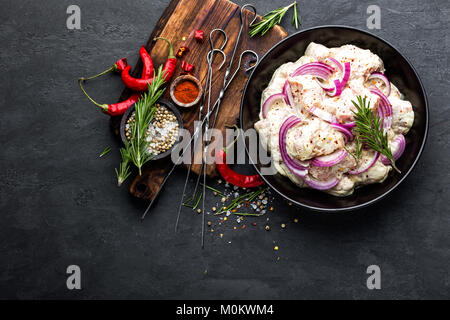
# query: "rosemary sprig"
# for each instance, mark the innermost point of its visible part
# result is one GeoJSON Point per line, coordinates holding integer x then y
{"type": "Point", "coordinates": [370, 128]}
{"type": "Point", "coordinates": [104, 152]}
{"type": "Point", "coordinates": [124, 167]}
{"type": "Point", "coordinates": [272, 18]}
{"type": "Point", "coordinates": [358, 151]}
{"type": "Point", "coordinates": [136, 149]}
{"type": "Point", "coordinates": [248, 197]}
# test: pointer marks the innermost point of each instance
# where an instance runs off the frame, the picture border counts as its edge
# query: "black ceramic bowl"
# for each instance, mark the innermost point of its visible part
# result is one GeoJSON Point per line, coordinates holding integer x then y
{"type": "Point", "coordinates": [399, 71]}
{"type": "Point", "coordinates": [170, 107]}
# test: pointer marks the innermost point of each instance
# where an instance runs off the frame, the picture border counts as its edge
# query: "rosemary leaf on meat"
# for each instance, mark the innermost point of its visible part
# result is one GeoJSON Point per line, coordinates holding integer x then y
{"type": "Point", "coordinates": [272, 18]}
{"type": "Point", "coordinates": [136, 149]}
{"type": "Point", "coordinates": [370, 128]}
{"type": "Point", "coordinates": [358, 151]}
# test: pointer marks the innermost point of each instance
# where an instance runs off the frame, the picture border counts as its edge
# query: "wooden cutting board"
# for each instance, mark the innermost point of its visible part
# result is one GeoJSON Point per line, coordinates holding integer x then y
{"type": "Point", "coordinates": [180, 19]}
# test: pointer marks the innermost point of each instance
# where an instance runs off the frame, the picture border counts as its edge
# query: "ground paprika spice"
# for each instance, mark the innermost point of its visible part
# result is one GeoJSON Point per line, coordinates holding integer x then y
{"type": "Point", "coordinates": [186, 91]}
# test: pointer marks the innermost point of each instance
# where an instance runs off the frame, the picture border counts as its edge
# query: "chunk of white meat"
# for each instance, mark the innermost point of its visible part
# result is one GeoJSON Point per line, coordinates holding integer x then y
{"type": "Point", "coordinates": [402, 115]}
{"type": "Point", "coordinates": [377, 173]}
{"type": "Point", "coordinates": [344, 106]}
{"type": "Point", "coordinates": [362, 62]}
{"type": "Point", "coordinates": [345, 187]}
{"type": "Point", "coordinates": [277, 82]}
{"type": "Point", "coordinates": [269, 128]}
{"type": "Point", "coordinates": [336, 171]}
{"type": "Point", "coordinates": [317, 51]}
{"type": "Point", "coordinates": [306, 93]}
{"type": "Point", "coordinates": [312, 138]}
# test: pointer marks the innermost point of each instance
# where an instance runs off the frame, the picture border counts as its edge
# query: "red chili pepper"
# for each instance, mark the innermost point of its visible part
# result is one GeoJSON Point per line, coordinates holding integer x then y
{"type": "Point", "coordinates": [181, 51]}
{"type": "Point", "coordinates": [187, 66]}
{"type": "Point", "coordinates": [114, 109]}
{"type": "Point", "coordinates": [142, 84]}
{"type": "Point", "coordinates": [233, 177]}
{"type": "Point", "coordinates": [147, 68]}
{"type": "Point", "coordinates": [171, 62]}
{"type": "Point", "coordinates": [116, 67]}
{"type": "Point", "coordinates": [198, 35]}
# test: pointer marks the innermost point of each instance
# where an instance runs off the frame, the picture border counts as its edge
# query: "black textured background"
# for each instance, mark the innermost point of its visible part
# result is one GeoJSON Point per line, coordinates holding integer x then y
{"type": "Point", "coordinates": [59, 204]}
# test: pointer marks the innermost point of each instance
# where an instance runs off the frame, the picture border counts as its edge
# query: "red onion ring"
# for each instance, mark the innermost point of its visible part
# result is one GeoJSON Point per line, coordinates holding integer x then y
{"type": "Point", "coordinates": [397, 149]}
{"type": "Point", "coordinates": [270, 101]}
{"type": "Point", "coordinates": [320, 185]}
{"type": "Point", "coordinates": [349, 125]}
{"type": "Point", "coordinates": [337, 63]}
{"type": "Point", "coordinates": [382, 77]}
{"type": "Point", "coordinates": [318, 69]}
{"type": "Point", "coordinates": [290, 163]}
{"type": "Point", "coordinates": [329, 160]}
{"type": "Point", "coordinates": [386, 108]}
{"type": "Point", "coordinates": [366, 166]}
{"type": "Point", "coordinates": [347, 133]}
{"type": "Point", "coordinates": [287, 91]}
{"type": "Point", "coordinates": [322, 114]}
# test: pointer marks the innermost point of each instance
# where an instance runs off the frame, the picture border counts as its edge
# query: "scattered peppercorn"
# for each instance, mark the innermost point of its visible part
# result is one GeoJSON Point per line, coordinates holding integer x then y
{"type": "Point", "coordinates": [275, 248]}
{"type": "Point", "coordinates": [283, 225]}
{"type": "Point", "coordinates": [267, 228]}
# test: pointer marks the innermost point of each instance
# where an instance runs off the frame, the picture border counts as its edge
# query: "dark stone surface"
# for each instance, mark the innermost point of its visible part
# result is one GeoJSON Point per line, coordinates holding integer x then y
{"type": "Point", "coordinates": [59, 203]}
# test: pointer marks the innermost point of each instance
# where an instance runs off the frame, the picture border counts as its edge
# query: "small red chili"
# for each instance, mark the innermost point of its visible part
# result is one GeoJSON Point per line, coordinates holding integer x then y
{"type": "Point", "coordinates": [181, 51]}
{"type": "Point", "coordinates": [147, 68]}
{"type": "Point", "coordinates": [142, 84]}
{"type": "Point", "coordinates": [116, 67]}
{"type": "Point", "coordinates": [171, 62]}
{"type": "Point", "coordinates": [114, 109]}
{"type": "Point", "coordinates": [198, 35]}
{"type": "Point", "coordinates": [187, 66]}
{"type": "Point", "coordinates": [233, 177]}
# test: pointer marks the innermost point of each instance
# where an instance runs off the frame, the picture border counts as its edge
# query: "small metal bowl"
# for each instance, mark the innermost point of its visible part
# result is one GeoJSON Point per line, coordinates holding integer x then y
{"type": "Point", "coordinates": [170, 107]}
{"type": "Point", "coordinates": [177, 81]}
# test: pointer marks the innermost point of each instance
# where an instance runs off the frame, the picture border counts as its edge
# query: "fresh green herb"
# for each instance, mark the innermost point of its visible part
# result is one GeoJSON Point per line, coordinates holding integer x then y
{"type": "Point", "coordinates": [247, 214]}
{"type": "Point", "coordinates": [124, 168]}
{"type": "Point", "coordinates": [107, 150]}
{"type": "Point", "coordinates": [370, 129]}
{"type": "Point", "coordinates": [358, 151]}
{"type": "Point", "coordinates": [213, 189]}
{"type": "Point", "coordinates": [272, 18]}
{"type": "Point", "coordinates": [248, 197]}
{"type": "Point", "coordinates": [193, 202]}
{"type": "Point", "coordinates": [295, 21]}
{"type": "Point", "coordinates": [136, 149]}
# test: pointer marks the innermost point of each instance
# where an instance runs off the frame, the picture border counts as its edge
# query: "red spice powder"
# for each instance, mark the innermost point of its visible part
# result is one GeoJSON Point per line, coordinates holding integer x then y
{"type": "Point", "coordinates": [186, 91]}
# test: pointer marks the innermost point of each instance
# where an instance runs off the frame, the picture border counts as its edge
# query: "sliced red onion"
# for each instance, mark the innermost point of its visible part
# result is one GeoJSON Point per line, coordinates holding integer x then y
{"type": "Point", "coordinates": [290, 163]}
{"type": "Point", "coordinates": [385, 106]}
{"type": "Point", "coordinates": [287, 91]}
{"type": "Point", "coordinates": [337, 90]}
{"type": "Point", "coordinates": [320, 185]}
{"type": "Point", "coordinates": [366, 166]}
{"type": "Point", "coordinates": [397, 149]}
{"type": "Point", "coordinates": [346, 76]}
{"type": "Point", "coordinates": [270, 101]}
{"type": "Point", "coordinates": [329, 160]}
{"type": "Point", "coordinates": [382, 77]}
{"type": "Point", "coordinates": [349, 125]}
{"type": "Point", "coordinates": [322, 114]}
{"type": "Point", "coordinates": [347, 133]}
{"type": "Point", "coordinates": [329, 89]}
{"type": "Point", "coordinates": [337, 63]}
{"type": "Point", "coordinates": [318, 69]}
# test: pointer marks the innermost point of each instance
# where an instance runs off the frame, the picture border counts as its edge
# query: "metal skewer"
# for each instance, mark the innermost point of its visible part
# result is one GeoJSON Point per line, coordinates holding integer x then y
{"type": "Point", "coordinates": [198, 127]}
{"type": "Point", "coordinates": [209, 57]}
{"type": "Point", "coordinates": [222, 91]}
